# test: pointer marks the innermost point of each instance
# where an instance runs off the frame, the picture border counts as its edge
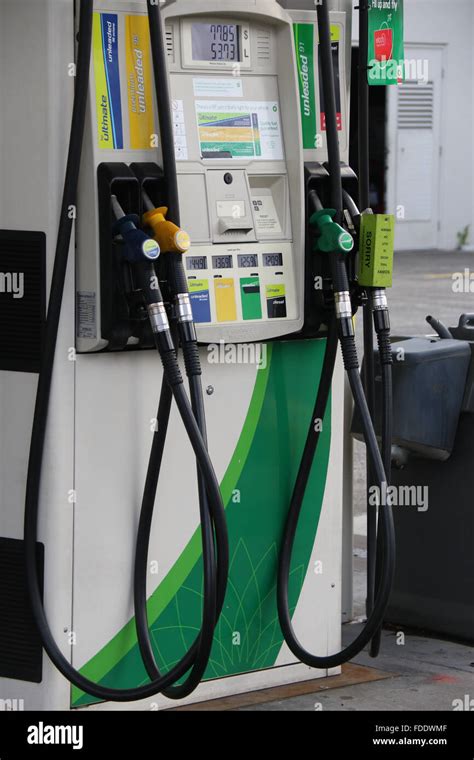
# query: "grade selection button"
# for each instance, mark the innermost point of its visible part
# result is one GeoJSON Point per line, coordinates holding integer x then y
{"type": "Point", "coordinates": [251, 300]}
{"type": "Point", "coordinates": [276, 301]}
{"type": "Point", "coordinates": [226, 305]}
{"type": "Point", "coordinates": [200, 300]}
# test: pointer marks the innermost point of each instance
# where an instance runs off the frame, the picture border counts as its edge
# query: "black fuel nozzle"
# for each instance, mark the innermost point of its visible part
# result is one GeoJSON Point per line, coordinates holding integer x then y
{"type": "Point", "coordinates": [141, 251]}
{"type": "Point", "coordinates": [138, 246]}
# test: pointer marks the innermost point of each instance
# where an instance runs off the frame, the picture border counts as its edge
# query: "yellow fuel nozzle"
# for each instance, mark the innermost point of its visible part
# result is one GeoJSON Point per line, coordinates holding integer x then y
{"type": "Point", "coordinates": [170, 237]}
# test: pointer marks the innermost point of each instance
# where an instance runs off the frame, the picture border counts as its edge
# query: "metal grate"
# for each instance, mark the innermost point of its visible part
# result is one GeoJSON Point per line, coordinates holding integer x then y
{"type": "Point", "coordinates": [170, 43]}
{"type": "Point", "coordinates": [21, 653]}
{"type": "Point", "coordinates": [264, 46]}
{"type": "Point", "coordinates": [416, 106]}
{"type": "Point", "coordinates": [22, 299]}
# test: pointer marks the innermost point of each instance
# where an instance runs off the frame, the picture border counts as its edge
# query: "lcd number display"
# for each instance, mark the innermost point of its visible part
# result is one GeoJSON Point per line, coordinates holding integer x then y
{"type": "Point", "coordinates": [216, 42]}
{"type": "Point", "coordinates": [194, 263]}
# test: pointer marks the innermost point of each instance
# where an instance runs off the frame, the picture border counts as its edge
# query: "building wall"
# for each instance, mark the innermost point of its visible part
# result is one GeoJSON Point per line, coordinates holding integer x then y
{"type": "Point", "coordinates": [452, 25]}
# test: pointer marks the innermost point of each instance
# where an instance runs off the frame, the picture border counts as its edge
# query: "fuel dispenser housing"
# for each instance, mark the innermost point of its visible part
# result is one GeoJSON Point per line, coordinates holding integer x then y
{"type": "Point", "coordinates": [105, 379]}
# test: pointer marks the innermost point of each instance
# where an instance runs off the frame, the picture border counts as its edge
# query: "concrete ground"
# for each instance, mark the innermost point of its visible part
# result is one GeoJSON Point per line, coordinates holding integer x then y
{"type": "Point", "coordinates": [427, 674]}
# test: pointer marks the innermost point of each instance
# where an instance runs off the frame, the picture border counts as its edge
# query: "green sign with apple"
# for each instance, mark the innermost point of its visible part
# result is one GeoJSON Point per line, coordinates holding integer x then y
{"type": "Point", "coordinates": [386, 62]}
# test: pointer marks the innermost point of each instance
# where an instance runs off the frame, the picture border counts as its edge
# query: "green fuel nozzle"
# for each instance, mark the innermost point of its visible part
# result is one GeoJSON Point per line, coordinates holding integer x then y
{"type": "Point", "coordinates": [332, 237]}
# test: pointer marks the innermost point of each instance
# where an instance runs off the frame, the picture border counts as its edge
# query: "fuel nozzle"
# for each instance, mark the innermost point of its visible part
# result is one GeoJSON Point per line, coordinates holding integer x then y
{"type": "Point", "coordinates": [138, 245]}
{"type": "Point", "coordinates": [142, 251]}
{"type": "Point", "coordinates": [175, 241]}
{"type": "Point", "coordinates": [332, 237]}
{"type": "Point", "coordinates": [170, 237]}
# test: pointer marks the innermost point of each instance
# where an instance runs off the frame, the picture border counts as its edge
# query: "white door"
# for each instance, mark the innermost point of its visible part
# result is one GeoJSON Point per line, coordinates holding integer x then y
{"type": "Point", "coordinates": [414, 149]}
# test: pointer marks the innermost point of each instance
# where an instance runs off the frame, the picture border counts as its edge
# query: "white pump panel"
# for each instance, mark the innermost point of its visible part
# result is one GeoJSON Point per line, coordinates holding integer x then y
{"type": "Point", "coordinates": [240, 166]}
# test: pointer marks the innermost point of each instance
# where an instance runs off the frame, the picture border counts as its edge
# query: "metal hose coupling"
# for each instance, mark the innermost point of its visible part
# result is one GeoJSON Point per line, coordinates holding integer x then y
{"type": "Point", "coordinates": [158, 317]}
{"type": "Point", "coordinates": [183, 308]}
{"type": "Point", "coordinates": [379, 305]}
{"type": "Point", "coordinates": [188, 335]}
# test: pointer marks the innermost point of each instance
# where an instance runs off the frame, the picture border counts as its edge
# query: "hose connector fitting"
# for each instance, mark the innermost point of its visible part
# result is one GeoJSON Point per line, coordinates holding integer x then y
{"type": "Point", "coordinates": [379, 305]}
{"type": "Point", "coordinates": [184, 308]}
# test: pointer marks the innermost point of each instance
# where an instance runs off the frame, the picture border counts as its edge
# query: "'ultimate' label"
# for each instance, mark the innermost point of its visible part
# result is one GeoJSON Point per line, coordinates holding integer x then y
{"type": "Point", "coordinates": [107, 81]}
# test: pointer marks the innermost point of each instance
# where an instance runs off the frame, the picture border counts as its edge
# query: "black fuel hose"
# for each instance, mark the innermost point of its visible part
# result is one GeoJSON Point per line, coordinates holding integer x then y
{"type": "Point", "coordinates": [341, 329]}
{"type": "Point", "coordinates": [369, 363]}
{"type": "Point", "coordinates": [40, 419]}
{"type": "Point", "coordinates": [213, 522]}
{"type": "Point", "coordinates": [376, 305]}
{"type": "Point", "coordinates": [141, 557]}
{"type": "Point", "coordinates": [387, 439]}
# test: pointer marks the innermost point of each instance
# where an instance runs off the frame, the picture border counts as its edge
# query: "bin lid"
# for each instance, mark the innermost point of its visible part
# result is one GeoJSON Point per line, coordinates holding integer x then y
{"type": "Point", "coordinates": [423, 350]}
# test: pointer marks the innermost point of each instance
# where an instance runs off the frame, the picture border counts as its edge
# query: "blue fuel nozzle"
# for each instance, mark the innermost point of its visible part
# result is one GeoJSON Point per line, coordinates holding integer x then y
{"type": "Point", "coordinates": [138, 246]}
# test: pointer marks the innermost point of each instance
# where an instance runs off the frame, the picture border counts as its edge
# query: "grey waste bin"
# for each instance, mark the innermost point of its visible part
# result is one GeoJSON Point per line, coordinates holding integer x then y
{"type": "Point", "coordinates": [434, 580]}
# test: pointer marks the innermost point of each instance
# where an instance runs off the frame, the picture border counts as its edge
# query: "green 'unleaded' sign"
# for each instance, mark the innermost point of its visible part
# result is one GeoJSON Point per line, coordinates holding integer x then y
{"type": "Point", "coordinates": [305, 50]}
{"type": "Point", "coordinates": [386, 43]}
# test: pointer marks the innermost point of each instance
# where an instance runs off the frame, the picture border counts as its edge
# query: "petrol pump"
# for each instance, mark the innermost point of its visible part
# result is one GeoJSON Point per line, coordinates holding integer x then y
{"type": "Point", "coordinates": [195, 302]}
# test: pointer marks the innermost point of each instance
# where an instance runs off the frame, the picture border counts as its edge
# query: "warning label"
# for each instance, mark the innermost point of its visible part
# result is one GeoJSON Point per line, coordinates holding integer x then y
{"type": "Point", "coordinates": [86, 315]}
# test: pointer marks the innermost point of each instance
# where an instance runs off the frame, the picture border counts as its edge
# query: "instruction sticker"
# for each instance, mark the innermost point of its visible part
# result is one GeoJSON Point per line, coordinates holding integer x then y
{"type": "Point", "coordinates": [266, 216]}
{"type": "Point", "coordinates": [232, 129]}
{"type": "Point", "coordinates": [179, 126]}
{"type": "Point", "coordinates": [218, 87]}
{"type": "Point", "coordinates": [139, 82]}
{"type": "Point", "coordinates": [377, 244]}
{"type": "Point", "coordinates": [107, 81]}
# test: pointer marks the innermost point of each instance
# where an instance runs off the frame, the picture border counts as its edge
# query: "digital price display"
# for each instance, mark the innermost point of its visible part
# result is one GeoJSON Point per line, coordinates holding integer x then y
{"type": "Point", "coordinates": [195, 263]}
{"type": "Point", "coordinates": [272, 259]}
{"type": "Point", "coordinates": [216, 42]}
{"type": "Point", "coordinates": [222, 262]}
{"type": "Point", "coordinates": [248, 261]}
